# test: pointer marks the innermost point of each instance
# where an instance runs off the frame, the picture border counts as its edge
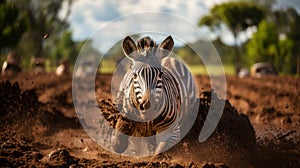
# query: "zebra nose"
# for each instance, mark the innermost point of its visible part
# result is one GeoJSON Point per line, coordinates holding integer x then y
{"type": "Point", "coordinates": [145, 105]}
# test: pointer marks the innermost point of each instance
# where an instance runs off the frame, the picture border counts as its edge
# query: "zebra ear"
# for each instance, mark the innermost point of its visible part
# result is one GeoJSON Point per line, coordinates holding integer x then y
{"type": "Point", "coordinates": [129, 48]}
{"type": "Point", "coordinates": [166, 47]}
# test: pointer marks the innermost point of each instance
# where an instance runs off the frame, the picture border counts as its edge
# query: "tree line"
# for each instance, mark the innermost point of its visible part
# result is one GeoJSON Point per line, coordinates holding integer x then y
{"type": "Point", "coordinates": [34, 29]}
{"type": "Point", "coordinates": [276, 39]}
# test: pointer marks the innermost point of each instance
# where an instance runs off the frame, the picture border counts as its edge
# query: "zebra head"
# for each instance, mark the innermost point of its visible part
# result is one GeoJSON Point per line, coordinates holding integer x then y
{"type": "Point", "coordinates": [146, 71]}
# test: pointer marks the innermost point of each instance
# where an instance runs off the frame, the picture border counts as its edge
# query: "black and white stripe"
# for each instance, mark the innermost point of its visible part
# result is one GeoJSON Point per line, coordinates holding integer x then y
{"type": "Point", "coordinates": [163, 87]}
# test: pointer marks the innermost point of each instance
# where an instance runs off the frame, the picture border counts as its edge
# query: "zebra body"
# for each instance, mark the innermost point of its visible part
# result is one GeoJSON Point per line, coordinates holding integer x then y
{"type": "Point", "coordinates": [157, 89]}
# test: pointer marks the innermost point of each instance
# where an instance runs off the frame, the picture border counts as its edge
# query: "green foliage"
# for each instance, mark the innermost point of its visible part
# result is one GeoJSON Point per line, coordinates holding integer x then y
{"type": "Point", "coordinates": [115, 53]}
{"type": "Point", "coordinates": [293, 34]}
{"type": "Point", "coordinates": [266, 46]}
{"type": "Point", "coordinates": [266, 5]}
{"type": "Point", "coordinates": [277, 41]}
{"type": "Point", "coordinates": [12, 25]}
{"type": "Point", "coordinates": [42, 19]}
{"type": "Point", "coordinates": [64, 48]}
{"type": "Point", "coordinates": [263, 47]}
{"type": "Point", "coordinates": [226, 52]}
{"type": "Point", "coordinates": [188, 55]}
{"type": "Point", "coordinates": [286, 61]}
{"type": "Point", "coordinates": [86, 48]}
{"type": "Point", "coordinates": [236, 15]}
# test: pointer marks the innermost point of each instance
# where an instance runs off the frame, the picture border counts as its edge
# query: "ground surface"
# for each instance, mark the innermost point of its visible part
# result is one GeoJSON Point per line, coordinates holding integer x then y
{"type": "Point", "coordinates": [259, 127]}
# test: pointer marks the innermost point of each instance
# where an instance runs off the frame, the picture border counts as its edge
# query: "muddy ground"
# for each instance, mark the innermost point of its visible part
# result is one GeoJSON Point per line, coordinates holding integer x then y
{"type": "Point", "coordinates": [259, 126]}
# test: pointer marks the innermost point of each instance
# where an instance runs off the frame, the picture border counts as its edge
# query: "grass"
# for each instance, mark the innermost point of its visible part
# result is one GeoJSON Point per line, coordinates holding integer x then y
{"type": "Point", "coordinates": [214, 69]}
{"type": "Point", "coordinates": [108, 67]}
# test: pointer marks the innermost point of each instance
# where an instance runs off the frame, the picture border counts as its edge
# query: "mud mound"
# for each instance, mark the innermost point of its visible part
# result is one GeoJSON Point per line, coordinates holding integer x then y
{"type": "Point", "coordinates": [18, 151]}
{"type": "Point", "coordinates": [233, 127]}
{"type": "Point", "coordinates": [234, 136]}
{"type": "Point", "coordinates": [16, 105]}
{"type": "Point", "coordinates": [60, 157]}
{"type": "Point", "coordinates": [232, 142]}
{"type": "Point", "coordinates": [21, 110]}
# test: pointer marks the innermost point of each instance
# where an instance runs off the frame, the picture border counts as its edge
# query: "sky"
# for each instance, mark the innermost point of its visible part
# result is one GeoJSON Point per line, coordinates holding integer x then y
{"type": "Point", "coordinates": [107, 21]}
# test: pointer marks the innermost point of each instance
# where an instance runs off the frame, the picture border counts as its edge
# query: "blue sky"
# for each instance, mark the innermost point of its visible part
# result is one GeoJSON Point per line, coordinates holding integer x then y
{"type": "Point", "coordinates": [88, 17]}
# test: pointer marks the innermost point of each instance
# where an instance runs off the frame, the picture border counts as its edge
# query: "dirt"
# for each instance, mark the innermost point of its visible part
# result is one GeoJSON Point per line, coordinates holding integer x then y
{"type": "Point", "coordinates": [259, 126]}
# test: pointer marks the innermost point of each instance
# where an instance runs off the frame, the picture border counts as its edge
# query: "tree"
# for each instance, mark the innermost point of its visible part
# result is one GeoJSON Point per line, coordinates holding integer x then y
{"type": "Point", "coordinates": [226, 52]}
{"type": "Point", "coordinates": [188, 54]}
{"type": "Point", "coordinates": [44, 24]}
{"type": "Point", "coordinates": [115, 53]}
{"type": "Point", "coordinates": [64, 48]}
{"type": "Point", "coordinates": [263, 47]}
{"type": "Point", "coordinates": [268, 45]}
{"type": "Point", "coordinates": [286, 62]}
{"type": "Point", "coordinates": [12, 25]}
{"type": "Point", "coordinates": [288, 22]}
{"type": "Point", "coordinates": [293, 33]}
{"type": "Point", "coordinates": [237, 16]}
{"type": "Point", "coordinates": [277, 43]}
{"type": "Point", "coordinates": [266, 5]}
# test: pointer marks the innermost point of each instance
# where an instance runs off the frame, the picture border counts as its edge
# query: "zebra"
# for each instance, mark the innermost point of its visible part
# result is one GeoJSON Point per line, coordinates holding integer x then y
{"type": "Point", "coordinates": [157, 90]}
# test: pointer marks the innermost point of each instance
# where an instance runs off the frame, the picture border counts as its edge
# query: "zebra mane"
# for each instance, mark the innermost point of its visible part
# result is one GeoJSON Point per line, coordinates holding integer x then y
{"type": "Point", "coordinates": [146, 45]}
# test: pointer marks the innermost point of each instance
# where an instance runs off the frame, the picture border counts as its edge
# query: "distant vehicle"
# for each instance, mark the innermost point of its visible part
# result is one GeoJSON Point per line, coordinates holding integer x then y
{"type": "Point", "coordinates": [244, 72]}
{"type": "Point", "coordinates": [263, 69]}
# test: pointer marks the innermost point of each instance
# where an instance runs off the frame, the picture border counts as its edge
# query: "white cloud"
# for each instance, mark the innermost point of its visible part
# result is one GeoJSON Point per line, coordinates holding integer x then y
{"type": "Point", "coordinates": [227, 36]}
{"type": "Point", "coordinates": [158, 25]}
{"type": "Point", "coordinates": [87, 16]}
{"type": "Point", "coordinates": [288, 3]}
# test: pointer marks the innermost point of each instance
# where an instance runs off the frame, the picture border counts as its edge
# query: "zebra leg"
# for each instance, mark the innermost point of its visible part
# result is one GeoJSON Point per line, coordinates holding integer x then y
{"type": "Point", "coordinates": [167, 139]}
{"type": "Point", "coordinates": [120, 142]}
{"type": "Point", "coordinates": [158, 153]}
{"type": "Point", "coordinates": [160, 148]}
{"type": "Point", "coordinates": [151, 141]}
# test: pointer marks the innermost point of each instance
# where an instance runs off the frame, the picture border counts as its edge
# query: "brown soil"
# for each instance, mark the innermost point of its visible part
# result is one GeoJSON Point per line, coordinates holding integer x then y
{"type": "Point", "coordinates": [259, 126]}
